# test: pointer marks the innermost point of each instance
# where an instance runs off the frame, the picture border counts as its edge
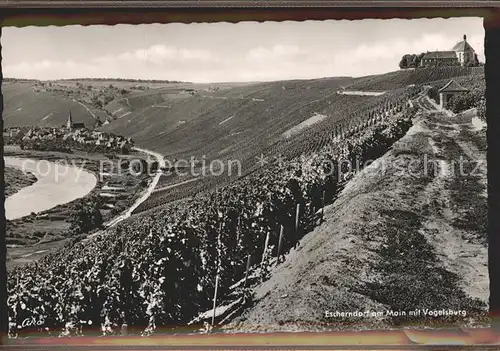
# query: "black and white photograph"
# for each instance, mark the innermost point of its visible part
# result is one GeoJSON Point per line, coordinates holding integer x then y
{"type": "Point", "coordinates": [245, 177]}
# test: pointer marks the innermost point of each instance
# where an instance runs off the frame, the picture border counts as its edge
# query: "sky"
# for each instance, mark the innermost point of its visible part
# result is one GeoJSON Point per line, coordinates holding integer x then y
{"type": "Point", "coordinates": [228, 52]}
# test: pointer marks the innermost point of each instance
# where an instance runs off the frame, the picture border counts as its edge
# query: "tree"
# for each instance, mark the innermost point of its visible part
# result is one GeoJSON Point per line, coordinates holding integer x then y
{"type": "Point", "coordinates": [405, 62]}
{"type": "Point", "coordinates": [125, 150]}
{"type": "Point", "coordinates": [86, 215]}
{"type": "Point", "coordinates": [410, 61]}
{"type": "Point", "coordinates": [433, 93]}
{"type": "Point", "coordinates": [481, 109]}
{"type": "Point", "coordinates": [419, 58]}
{"type": "Point", "coordinates": [107, 99]}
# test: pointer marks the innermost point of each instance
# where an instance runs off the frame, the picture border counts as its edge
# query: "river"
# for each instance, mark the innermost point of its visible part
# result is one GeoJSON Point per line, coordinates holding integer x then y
{"type": "Point", "coordinates": [56, 184]}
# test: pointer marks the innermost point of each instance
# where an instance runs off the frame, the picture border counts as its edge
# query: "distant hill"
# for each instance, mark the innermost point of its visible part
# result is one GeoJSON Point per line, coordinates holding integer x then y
{"type": "Point", "coordinates": [120, 80]}
{"type": "Point", "coordinates": [216, 120]}
{"type": "Point", "coordinates": [213, 121]}
{"type": "Point", "coordinates": [27, 104]}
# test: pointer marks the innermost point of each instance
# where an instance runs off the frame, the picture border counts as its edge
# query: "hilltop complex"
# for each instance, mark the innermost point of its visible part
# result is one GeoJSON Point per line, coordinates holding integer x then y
{"type": "Point", "coordinates": [462, 54]}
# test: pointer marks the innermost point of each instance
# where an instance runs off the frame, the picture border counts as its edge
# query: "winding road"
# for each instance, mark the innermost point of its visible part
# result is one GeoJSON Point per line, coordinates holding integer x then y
{"type": "Point", "coordinates": [146, 194]}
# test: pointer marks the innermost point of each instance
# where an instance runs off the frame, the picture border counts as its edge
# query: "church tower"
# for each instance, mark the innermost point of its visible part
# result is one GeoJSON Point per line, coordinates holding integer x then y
{"type": "Point", "coordinates": [465, 53]}
{"type": "Point", "coordinates": [69, 124]}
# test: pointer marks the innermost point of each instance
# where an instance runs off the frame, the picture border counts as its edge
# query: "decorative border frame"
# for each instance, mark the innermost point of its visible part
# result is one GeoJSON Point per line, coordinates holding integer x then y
{"type": "Point", "coordinates": [89, 12]}
{"type": "Point", "coordinates": [243, 4]}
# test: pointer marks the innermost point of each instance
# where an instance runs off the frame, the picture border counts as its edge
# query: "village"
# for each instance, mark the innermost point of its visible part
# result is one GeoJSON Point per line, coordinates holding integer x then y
{"type": "Point", "coordinates": [73, 135]}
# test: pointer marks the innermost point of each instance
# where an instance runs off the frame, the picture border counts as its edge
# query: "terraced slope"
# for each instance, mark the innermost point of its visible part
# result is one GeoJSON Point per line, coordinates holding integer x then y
{"type": "Point", "coordinates": [242, 123]}
{"type": "Point", "coordinates": [403, 78]}
{"type": "Point", "coordinates": [177, 123]}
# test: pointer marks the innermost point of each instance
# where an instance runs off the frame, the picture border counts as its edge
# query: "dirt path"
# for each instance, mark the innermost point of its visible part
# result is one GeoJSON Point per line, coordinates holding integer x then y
{"type": "Point", "coordinates": [360, 93]}
{"type": "Point", "coordinates": [459, 252]}
{"type": "Point", "coordinates": [405, 233]}
{"type": "Point", "coordinates": [146, 194]}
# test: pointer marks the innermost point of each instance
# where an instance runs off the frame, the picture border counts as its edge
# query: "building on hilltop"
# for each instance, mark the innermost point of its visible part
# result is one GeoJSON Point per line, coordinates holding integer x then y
{"type": "Point", "coordinates": [462, 54]}
{"type": "Point", "coordinates": [465, 52]}
{"type": "Point", "coordinates": [439, 58]}
{"type": "Point", "coordinates": [450, 89]}
{"type": "Point", "coordinates": [71, 126]}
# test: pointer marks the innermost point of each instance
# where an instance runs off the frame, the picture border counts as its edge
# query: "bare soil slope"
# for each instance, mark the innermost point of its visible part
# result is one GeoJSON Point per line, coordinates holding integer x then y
{"type": "Point", "coordinates": [404, 234]}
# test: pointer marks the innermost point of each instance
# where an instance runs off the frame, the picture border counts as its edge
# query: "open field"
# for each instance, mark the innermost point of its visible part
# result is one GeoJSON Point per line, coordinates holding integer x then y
{"type": "Point", "coordinates": [206, 122]}
{"type": "Point", "coordinates": [242, 122]}
{"type": "Point", "coordinates": [239, 124]}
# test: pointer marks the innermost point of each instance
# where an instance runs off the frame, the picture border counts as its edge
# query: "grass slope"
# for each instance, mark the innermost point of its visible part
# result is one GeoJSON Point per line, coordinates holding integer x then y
{"type": "Point", "coordinates": [23, 106]}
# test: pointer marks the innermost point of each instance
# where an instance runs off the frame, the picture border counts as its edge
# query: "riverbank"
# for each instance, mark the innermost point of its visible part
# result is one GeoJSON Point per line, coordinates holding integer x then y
{"type": "Point", "coordinates": [34, 235]}
{"type": "Point", "coordinates": [56, 184]}
{"type": "Point", "coordinates": [16, 180]}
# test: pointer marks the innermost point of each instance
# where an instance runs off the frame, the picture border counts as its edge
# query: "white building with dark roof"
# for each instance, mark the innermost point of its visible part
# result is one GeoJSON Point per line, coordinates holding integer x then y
{"type": "Point", "coordinates": [465, 53]}
{"type": "Point", "coordinates": [461, 54]}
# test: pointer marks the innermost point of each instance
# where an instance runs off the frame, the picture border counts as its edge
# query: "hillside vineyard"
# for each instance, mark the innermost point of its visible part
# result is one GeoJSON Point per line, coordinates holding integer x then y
{"type": "Point", "coordinates": [164, 252]}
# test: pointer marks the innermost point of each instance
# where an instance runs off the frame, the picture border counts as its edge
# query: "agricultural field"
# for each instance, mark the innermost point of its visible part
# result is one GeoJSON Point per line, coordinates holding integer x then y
{"type": "Point", "coordinates": [224, 121]}
{"type": "Point", "coordinates": [342, 112]}
{"type": "Point", "coordinates": [191, 229]}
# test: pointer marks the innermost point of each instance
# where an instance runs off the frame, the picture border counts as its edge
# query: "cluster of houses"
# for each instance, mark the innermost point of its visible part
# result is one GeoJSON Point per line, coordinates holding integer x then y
{"type": "Point", "coordinates": [72, 132]}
